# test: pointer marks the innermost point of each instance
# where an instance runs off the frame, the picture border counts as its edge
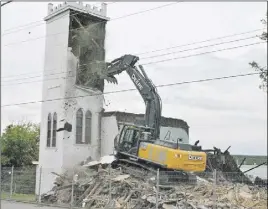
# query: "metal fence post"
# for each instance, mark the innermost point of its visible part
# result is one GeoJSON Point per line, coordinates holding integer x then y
{"type": "Point", "coordinates": [11, 182]}
{"type": "Point", "coordinates": [110, 186]}
{"type": "Point", "coordinates": [157, 188]}
{"type": "Point", "coordinates": [214, 188]}
{"type": "Point", "coordinates": [72, 195]}
{"type": "Point", "coordinates": [39, 186]}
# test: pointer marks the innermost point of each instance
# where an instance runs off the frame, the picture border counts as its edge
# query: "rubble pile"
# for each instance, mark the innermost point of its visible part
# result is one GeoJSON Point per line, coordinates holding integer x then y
{"type": "Point", "coordinates": [93, 187]}
{"type": "Point", "coordinates": [225, 163]}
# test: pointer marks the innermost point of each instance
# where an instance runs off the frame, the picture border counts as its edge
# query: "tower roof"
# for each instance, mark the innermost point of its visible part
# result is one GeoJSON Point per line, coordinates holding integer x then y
{"type": "Point", "coordinates": [87, 9]}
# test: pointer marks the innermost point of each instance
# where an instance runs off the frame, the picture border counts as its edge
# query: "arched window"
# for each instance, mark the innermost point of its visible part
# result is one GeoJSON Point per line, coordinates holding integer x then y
{"type": "Point", "coordinates": [79, 126]}
{"type": "Point", "coordinates": [54, 133]}
{"type": "Point", "coordinates": [88, 127]}
{"type": "Point", "coordinates": [48, 130]}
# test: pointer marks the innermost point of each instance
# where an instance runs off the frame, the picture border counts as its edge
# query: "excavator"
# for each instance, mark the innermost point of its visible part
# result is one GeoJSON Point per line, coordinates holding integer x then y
{"type": "Point", "coordinates": [141, 146]}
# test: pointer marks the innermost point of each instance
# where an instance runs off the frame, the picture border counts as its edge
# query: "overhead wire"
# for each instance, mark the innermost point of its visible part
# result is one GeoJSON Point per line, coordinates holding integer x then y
{"type": "Point", "coordinates": [219, 50]}
{"type": "Point", "coordinates": [203, 41]}
{"type": "Point", "coordinates": [117, 18]}
{"type": "Point", "coordinates": [164, 60]}
{"type": "Point", "coordinates": [179, 46]}
{"type": "Point", "coordinates": [200, 47]}
{"type": "Point", "coordinates": [42, 22]}
{"type": "Point", "coordinates": [152, 56]}
{"type": "Point", "coordinates": [6, 3]}
{"type": "Point", "coordinates": [127, 90]}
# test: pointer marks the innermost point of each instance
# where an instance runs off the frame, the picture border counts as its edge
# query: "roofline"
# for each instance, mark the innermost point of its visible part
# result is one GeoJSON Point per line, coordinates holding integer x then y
{"type": "Point", "coordinates": [116, 113]}
{"type": "Point", "coordinates": [71, 7]}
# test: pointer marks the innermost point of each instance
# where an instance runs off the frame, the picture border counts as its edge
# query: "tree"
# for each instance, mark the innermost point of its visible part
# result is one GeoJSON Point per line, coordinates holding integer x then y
{"type": "Point", "coordinates": [256, 66]}
{"type": "Point", "coordinates": [20, 144]}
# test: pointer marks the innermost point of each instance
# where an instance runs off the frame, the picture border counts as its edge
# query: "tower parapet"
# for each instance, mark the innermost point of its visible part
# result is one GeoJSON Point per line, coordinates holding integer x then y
{"type": "Point", "coordinates": [100, 12]}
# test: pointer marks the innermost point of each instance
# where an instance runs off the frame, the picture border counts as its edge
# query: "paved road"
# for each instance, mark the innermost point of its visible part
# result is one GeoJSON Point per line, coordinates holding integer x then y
{"type": "Point", "coordinates": [15, 205]}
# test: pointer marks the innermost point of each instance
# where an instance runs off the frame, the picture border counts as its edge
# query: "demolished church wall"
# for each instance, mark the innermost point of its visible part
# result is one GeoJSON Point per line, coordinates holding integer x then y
{"type": "Point", "coordinates": [65, 94]}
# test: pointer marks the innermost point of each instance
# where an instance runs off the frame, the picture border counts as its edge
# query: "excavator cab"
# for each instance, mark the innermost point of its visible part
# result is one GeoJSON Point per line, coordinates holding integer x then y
{"type": "Point", "coordinates": [128, 139]}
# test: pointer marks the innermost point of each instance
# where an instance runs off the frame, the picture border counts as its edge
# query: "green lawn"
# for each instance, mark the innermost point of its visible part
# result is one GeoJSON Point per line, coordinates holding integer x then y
{"type": "Point", "coordinates": [19, 197]}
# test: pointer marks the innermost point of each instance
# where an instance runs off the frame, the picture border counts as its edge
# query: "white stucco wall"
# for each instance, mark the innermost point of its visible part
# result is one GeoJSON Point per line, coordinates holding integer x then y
{"type": "Point", "coordinates": [50, 159]}
{"type": "Point", "coordinates": [109, 130]}
{"type": "Point", "coordinates": [175, 133]}
{"type": "Point", "coordinates": [75, 153]}
{"type": "Point", "coordinates": [60, 63]}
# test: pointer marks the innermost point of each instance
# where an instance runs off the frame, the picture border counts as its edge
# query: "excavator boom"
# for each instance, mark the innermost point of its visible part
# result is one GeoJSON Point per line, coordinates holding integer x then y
{"type": "Point", "coordinates": [145, 87]}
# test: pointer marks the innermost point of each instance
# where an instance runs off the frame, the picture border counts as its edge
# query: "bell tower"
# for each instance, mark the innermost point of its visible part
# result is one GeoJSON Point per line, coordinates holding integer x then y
{"type": "Point", "coordinates": [72, 93]}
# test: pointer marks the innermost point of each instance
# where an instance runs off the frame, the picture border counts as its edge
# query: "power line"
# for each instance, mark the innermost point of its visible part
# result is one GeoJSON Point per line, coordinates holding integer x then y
{"type": "Point", "coordinates": [42, 22]}
{"type": "Point", "coordinates": [199, 42]}
{"type": "Point", "coordinates": [6, 3]}
{"type": "Point", "coordinates": [148, 57]}
{"type": "Point", "coordinates": [19, 79]}
{"type": "Point", "coordinates": [200, 47]}
{"type": "Point", "coordinates": [217, 38]}
{"type": "Point", "coordinates": [147, 10]}
{"type": "Point", "coordinates": [37, 81]}
{"type": "Point", "coordinates": [126, 90]}
{"type": "Point", "coordinates": [203, 53]}
{"type": "Point", "coordinates": [121, 17]}
{"type": "Point", "coordinates": [193, 55]}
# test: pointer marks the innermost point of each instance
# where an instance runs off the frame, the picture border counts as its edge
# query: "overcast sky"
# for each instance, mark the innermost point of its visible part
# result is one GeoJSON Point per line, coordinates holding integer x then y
{"type": "Point", "coordinates": [219, 113]}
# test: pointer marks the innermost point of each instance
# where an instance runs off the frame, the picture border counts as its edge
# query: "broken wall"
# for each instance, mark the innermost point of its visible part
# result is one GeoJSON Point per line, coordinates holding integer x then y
{"type": "Point", "coordinates": [87, 40]}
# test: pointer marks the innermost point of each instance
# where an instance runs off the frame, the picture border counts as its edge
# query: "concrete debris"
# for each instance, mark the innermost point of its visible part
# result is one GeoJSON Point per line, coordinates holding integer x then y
{"type": "Point", "coordinates": [105, 160]}
{"type": "Point", "coordinates": [121, 177]}
{"type": "Point", "coordinates": [201, 180]}
{"type": "Point", "coordinates": [100, 187]}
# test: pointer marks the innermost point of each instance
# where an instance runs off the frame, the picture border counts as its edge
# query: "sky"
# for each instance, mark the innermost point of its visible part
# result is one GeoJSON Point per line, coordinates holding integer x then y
{"type": "Point", "coordinates": [220, 113]}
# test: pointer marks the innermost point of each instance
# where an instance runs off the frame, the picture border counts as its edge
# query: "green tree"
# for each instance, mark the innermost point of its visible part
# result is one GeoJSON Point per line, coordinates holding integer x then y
{"type": "Point", "coordinates": [20, 144]}
{"type": "Point", "coordinates": [262, 69]}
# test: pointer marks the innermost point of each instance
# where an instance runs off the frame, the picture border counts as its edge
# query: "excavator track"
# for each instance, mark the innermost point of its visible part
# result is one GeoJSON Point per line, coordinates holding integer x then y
{"type": "Point", "coordinates": [166, 177]}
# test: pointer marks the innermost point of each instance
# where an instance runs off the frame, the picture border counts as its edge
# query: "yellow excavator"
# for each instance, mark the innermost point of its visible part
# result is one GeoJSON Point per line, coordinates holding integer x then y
{"type": "Point", "coordinates": [141, 145]}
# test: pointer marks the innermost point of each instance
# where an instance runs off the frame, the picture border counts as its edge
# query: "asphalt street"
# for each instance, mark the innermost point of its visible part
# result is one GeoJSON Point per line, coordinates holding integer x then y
{"type": "Point", "coordinates": [17, 205]}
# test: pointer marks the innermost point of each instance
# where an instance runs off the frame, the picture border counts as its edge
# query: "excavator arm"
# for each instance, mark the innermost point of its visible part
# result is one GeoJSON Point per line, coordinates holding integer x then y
{"type": "Point", "coordinates": [144, 85]}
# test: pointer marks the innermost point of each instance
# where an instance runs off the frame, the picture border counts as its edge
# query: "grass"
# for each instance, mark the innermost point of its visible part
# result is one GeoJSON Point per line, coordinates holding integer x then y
{"type": "Point", "coordinates": [19, 197]}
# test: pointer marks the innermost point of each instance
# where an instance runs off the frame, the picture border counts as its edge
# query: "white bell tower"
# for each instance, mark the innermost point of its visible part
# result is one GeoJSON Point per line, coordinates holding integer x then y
{"type": "Point", "coordinates": [72, 94]}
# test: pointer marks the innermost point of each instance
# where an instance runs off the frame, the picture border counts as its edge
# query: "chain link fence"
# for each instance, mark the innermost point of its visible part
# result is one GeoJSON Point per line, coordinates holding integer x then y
{"type": "Point", "coordinates": [19, 183]}
{"type": "Point", "coordinates": [110, 188]}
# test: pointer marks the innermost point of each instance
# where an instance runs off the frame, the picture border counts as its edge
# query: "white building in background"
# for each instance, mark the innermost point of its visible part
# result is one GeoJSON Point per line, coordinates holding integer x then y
{"type": "Point", "coordinates": [171, 129]}
{"type": "Point", "coordinates": [75, 35]}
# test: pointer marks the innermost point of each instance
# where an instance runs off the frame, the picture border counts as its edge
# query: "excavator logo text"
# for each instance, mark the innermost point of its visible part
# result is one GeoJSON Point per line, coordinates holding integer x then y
{"type": "Point", "coordinates": [137, 81]}
{"type": "Point", "coordinates": [192, 157]}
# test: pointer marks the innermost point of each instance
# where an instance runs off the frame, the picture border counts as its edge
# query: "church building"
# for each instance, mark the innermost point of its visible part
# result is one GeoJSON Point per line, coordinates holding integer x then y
{"type": "Point", "coordinates": [74, 125]}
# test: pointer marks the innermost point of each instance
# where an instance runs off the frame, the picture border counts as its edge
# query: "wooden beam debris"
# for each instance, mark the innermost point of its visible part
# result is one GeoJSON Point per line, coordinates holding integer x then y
{"type": "Point", "coordinates": [129, 191]}
{"type": "Point", "coordinates": [125, 187]}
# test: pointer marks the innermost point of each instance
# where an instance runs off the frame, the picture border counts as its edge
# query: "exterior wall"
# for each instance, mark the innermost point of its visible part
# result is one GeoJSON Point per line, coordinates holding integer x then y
{"type": "Point", "coordinates": [61, 64]}
{"type": "Point", "coordinates": [109, 130]}
{"type": "Point", "coordinates": [60, 73]}
{"type": "Point", "coordinates": [75, 153]}
{"type": "Point", "coordinates": [55, 54]}
{"type": "Point", "coordinates": [175, 133]}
